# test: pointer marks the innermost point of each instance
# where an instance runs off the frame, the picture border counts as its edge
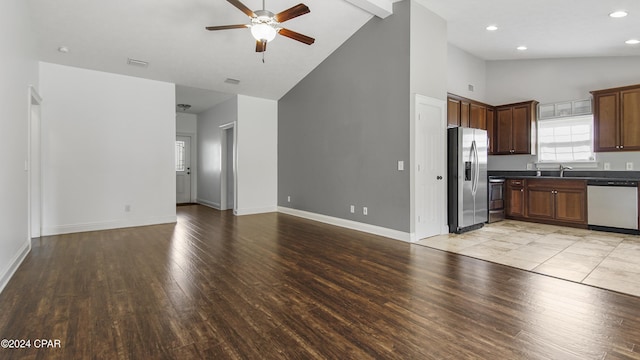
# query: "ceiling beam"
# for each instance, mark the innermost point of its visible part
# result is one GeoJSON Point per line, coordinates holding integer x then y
{"type": "Point", "coordinates": [379, 8]}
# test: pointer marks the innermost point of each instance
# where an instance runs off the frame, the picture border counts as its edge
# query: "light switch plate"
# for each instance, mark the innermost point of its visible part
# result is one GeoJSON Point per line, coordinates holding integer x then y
{"type": "Point", "coordinates": [629, 166]}
{"type": "Point", "coordinates": [352, 209]}
{"type": "Point", "coordinates": [400, 165]}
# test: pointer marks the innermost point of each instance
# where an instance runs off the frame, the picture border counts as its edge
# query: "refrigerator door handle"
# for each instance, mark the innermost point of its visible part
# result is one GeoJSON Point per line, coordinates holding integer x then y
{"type": "Point", "coordinates": [474, 154]}
{"type": "Point", "coordinates": [477, 169]}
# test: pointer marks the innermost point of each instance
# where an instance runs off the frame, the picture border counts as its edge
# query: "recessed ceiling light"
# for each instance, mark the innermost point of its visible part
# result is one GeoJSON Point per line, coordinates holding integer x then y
{"type": "Point", "coordinates": [522, 48]}
{"type": "Point", "coordinates": [619, 14]}
{"type": "Point", "coordinates": [492, 28]}
{"type": "Point", "coordinates": [63, 49]}
{"type": "Point", "coordinates": [632, 42]}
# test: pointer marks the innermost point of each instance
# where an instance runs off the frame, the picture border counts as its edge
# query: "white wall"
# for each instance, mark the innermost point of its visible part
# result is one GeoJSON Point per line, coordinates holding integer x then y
{"type": "Point", "coordinates": [554, 80]}
{"type": "Point", "coordinates": [18, 70]}
{"type": "Point", "coordinates": [428, 77]}
{"type": "Point", "coordinates": [210, 150]}
{"type": "Point", "coordinates": [187, 125]}
{"type": "Point", "coordinates": [257, 155]}
{"type": "Point", "coordinates": [465, 69]}
{"type": "Point", "coordinates": [108, 142]}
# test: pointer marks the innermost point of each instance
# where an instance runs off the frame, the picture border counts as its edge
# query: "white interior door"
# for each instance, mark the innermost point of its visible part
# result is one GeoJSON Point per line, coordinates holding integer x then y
{"type": "Point", "coordinates": [430, 152]}
{"type": "Point", "coordinates": [183, 169]}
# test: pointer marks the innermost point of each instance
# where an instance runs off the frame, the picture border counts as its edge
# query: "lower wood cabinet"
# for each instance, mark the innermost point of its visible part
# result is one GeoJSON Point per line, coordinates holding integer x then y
{"type": "Point", "coordinates": [515, 198]}
{"type": "Point", "coordinates": [553, 201]}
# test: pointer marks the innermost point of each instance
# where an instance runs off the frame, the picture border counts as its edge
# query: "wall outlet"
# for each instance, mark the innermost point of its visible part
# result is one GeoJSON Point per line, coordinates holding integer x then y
{"type": "Point", "coordinates": [529, 166]}
{"type": "Point", "coordinates": [127, 208]}
{"type": "Point", "coordinates": [364, 210]}
{"type": "Point", "coordinates": [288, 198]}
{"type": "Point", "coordinates": [629, 166]}
{"type": "Point", "coordinates": [607, 166]}
{"type": "Point", "coordinates": [352, 209]}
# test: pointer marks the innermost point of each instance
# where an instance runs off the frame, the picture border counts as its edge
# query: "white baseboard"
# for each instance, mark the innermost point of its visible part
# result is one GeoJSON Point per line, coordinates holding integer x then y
{"type": "Point", "coordinates": [106, 225]}
{"type": "Point", "coordinates": [208, 203]}
{"type": "Point", "coordinates": [251, 211]}
{"type": "Point", "coordinates": [350, 224]}
{"type": "Point", "coordinates": [10, 269]}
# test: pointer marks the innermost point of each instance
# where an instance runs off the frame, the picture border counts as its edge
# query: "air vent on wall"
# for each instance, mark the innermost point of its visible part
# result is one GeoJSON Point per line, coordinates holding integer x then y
{"type": "Point", "coordinates": [135, 62]}
{"type": "Point", "coordinates": [232, 81]}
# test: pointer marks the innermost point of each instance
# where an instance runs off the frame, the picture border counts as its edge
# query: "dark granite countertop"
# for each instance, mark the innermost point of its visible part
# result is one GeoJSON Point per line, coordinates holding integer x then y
{"type": "Point", "coordinates": [568, 175]}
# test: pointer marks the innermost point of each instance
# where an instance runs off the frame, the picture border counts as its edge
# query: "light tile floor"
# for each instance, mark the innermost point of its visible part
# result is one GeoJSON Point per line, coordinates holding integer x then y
{"type": "Point", "coordinates": [602, 259]}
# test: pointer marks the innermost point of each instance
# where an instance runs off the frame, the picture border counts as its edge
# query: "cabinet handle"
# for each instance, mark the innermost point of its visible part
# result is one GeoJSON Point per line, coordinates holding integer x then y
{"type": "Point", "coordinates": [621, 146]}
{"type": "Point", "coordinates": [521, 190]}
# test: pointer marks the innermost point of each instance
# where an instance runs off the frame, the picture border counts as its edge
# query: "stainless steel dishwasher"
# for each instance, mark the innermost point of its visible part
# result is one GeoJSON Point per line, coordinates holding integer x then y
{"type": "Point", "coordinates": [613, 205]}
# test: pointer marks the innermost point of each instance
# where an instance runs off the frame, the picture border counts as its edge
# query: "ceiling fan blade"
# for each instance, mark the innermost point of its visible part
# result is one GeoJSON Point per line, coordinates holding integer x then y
{"type": "Point", "coordinates": [261, 45]}
{"type": "Point", "coordinates": [297, 36]}
{"type": "Point", "coordinates": [291, 13]}
{"type": "Point", "coordinates": [226, 27]}
{"type": "Point", "coordinates": [242, 8]}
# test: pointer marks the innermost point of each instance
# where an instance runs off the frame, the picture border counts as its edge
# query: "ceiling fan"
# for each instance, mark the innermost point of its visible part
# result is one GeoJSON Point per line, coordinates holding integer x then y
{"type": "Point", "coordinates": [265, 24]}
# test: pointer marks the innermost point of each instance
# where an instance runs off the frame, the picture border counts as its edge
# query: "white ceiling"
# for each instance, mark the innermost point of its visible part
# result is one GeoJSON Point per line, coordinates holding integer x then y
{"type": "Point", "coordinates": [170, 35]}
{"type": "Point", "coordinates": [549, 28]}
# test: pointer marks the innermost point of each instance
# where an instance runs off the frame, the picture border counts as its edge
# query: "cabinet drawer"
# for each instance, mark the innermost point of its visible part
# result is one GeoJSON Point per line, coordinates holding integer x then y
{"type": "Point", "coordinates": [557, 184]}
{"type": "Point", "coordinates": [516, 182]}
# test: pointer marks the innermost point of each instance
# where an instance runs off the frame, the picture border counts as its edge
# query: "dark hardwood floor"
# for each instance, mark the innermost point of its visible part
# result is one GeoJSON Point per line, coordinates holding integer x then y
{"type": "Point", "coordinates": [273, 286]}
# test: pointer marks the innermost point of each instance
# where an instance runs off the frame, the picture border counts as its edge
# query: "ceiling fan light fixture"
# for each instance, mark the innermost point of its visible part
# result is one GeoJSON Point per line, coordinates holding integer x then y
{"type": "Point", "coordinates": [264, 26]}
{"type": "Point", "coordinates": [263, 31]}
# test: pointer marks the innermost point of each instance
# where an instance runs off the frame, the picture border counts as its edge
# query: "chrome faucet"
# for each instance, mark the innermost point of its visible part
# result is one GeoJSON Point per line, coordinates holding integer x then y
{"type": "Point", "coordinates": [563, 168]}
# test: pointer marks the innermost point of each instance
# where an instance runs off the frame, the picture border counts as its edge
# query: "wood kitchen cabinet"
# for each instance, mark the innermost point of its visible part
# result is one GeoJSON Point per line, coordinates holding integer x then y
{"type": "Point", "coordinates": [515, 197]}
{"type": "Point", "coordinates": [491, 130]}
{"type": "Point", "coordinates": [616, 119]}
{"type": "Point", "coordinates": [562, 202]}
{"type": "Point", "coordinates": [465, 112]}
{"type": "Point", "coordinates": [516, 128]}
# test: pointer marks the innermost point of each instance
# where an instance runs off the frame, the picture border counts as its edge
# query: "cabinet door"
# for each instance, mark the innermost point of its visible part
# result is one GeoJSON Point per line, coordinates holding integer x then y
{"type": "Point", "coordinates": [521, 123]}
{"type": "Point", "coordinates": [571, 205]}
{"type": "Point", "coordinates": [478, 117]}
{"type": "Point", "coordinates": [503, 131]}
{"type": "Point", "coordinates": [630, 119]}
{"type": "Point", "coordinates": [453, 112]}
{"type": "Point", "coordinates": [515, 201]}
{"type": "Point", "coordinates": [540, 203]}
{"type": "Point", "coordinates": [491, 130]}
{"type": "Point", "coordinates": [605, 122]}
{"type": "Point", "coordinates": [465, 111]}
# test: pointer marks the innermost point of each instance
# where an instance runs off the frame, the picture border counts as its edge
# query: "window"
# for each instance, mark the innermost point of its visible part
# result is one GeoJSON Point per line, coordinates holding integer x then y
{"type": "Point", "coordinates": [180, 155]}
{"type": "Point", "coordinates": [566, 139]}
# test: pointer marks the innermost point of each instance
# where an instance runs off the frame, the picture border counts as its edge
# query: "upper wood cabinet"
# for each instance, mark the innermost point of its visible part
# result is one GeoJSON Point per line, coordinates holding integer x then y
{"type": "Point", "coordinates": [466, 112]}
{"type": "Point", "coordinates": [491, 129]}
{"type": "Point", "coordinates": [616, 119]}
{"type": "Point", "coordinates": [515, 131]}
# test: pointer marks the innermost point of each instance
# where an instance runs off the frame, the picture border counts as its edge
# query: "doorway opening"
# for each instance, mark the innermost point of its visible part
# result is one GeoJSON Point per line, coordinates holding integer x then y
{"type": "Point", "coordinates": [34, 160]}
{"type": "Point", "coordinates": [183, 169]}
{"type": "Point", "coordinates": [228, 195]}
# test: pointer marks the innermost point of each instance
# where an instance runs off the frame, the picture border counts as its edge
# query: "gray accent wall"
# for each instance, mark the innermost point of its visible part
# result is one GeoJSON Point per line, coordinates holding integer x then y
{"type": "Point", "coordinates": [344, 127]}
{"type": "Point", "coordinates": [210, 149]}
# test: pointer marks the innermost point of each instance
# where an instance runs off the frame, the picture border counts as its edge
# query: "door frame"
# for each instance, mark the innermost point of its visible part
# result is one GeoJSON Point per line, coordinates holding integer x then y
{"type": "Point", "coordinates": [34, 103]}
{"type": "Point", "coordinates": [415, 144]}
{"type": "Point", "coordinates": [225, 166]}
{"type": "Point", "coordinates": [194, 161]}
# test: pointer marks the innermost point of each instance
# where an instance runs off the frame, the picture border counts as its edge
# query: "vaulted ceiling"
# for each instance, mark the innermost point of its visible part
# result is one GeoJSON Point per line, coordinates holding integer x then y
{"type": "Point", "coordinates": [171, 36]}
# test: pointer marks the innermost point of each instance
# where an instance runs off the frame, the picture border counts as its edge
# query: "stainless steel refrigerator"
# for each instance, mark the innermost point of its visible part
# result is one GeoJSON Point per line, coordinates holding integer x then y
{"type": "Point", "coordinates": [467, 175]}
